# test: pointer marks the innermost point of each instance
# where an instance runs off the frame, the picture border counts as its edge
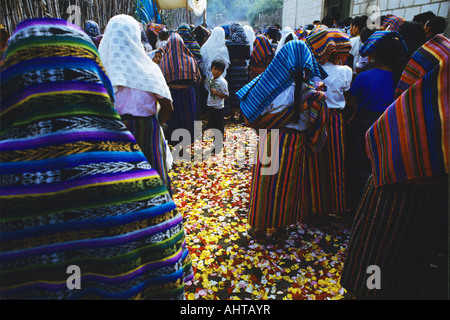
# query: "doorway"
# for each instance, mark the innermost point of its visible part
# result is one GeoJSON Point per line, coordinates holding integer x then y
{"type": "Point", "coordinates": [337, 9]}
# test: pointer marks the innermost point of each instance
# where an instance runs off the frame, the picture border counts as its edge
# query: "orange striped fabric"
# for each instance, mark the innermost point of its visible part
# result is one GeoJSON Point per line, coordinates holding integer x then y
{"type": "Point", "coordinates": [178, 63]}
{"type": "Point", "coordinates": [411, 139]}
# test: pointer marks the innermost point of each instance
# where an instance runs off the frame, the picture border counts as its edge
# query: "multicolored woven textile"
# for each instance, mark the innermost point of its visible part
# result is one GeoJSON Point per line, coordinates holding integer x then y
{"type": "Point", "coordinates": [327, 185]}
{"type": "Point", "coordinates": [261, 49]}
{"type": "Point", "coordinates": [178, 63]}
{"type": "Point", "coordinates": [392, 22]}
{"type": "Point", "coordinates": [76, 190]}
{"type": "Point", "coordinates": [411, 139]}
{"type": "Point", "coordinates": [394, 229]}
{"type": "Point", "coordinates": [261, 91]}
{"type": "Point", "coordinates": [279, 199]}
{"type": "Point", "coordinates": [301, 33]}
{"type": "Point", "coordinates": [422, 62]}
{"type": "Point", "coordinates": [376, 38]}
{"type": "Point", "coordinates": [189, 41]}
{"type": "Point", "coordinates": [154, 28]}
{"type": "Point", "coordinates": [328, 43]}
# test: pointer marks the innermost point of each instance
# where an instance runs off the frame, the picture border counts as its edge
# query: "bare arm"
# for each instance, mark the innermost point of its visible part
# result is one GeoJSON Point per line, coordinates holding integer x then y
{"type": "Point", "coordinates": [165, 111]}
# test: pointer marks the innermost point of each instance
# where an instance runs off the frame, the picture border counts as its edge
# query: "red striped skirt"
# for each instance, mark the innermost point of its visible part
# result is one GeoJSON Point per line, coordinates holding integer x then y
{"type": "Point", "coordinates": [277, 200]}
{"type": "Point", "coordinates": [326, 172]}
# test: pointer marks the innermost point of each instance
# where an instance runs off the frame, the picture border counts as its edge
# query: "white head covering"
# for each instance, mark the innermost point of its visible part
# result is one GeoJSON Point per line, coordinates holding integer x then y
{"type": "Point", "coordinates": [250, 35]}
{"type": "Point", "coordinates": [214, 48]}
{"type": "Point", "coordinates": [125, 60]}
{"type": "Point", "coordinates": [284, 33]}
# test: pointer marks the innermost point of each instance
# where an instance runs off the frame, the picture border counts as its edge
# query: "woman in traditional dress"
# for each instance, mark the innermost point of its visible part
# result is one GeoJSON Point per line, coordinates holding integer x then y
{"type": "Point", "coordinates": [83, 214]}
{"type": "Point", "coordinates": [184, 30]}
{"type": "Point", "coordinates": [283, 98]}
{"type": "Point", "coordinates": [181, 72]}
{"type": "Point", "coordinates": [214, 48]}
{"type": "Point", "coordinates": [370, 94]}
{"type": "Point", "coordinates": [406, 198]}
{"type": "Point", "coordinates": [327, 180]}
{"type": "Point", "coordinates": [237, 75]}
{"type": "Point", "coordinates": [261, 56]}
{"type": "Point", "coordinates": [139, 87]}
{"type": "Point", "coordinates": [201, 35]}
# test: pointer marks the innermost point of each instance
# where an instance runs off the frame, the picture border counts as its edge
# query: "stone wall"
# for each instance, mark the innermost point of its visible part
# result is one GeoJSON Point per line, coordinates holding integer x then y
{"type": "Point", "coordinates": [301, 12]}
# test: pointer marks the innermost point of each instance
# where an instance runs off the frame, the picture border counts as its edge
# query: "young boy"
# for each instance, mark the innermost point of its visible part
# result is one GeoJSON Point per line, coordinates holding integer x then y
{"type": "Point", "coordinates": [217, 88]}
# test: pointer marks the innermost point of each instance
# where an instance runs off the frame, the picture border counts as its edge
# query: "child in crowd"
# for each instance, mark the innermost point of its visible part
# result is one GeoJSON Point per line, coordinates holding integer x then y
{"type": "Point", "coordinates": [162, 39]}
{"type": "Point", "coordinates": [217, 88]}
{"type": "Point", "coordinates": [356, 26]}
{"type": "Point", "coordinates": [156, 55]}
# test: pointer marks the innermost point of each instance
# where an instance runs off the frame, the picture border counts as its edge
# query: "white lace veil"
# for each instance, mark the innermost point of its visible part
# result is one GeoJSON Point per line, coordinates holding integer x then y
{"type": "Point", "coordinates": [214, 48]}
{"type": "Point", "coordinates": [125, 60]}
{"type": "Point", "coordinates": [284, 33]}
{"type": "Point", "coordinates": [250, 35]}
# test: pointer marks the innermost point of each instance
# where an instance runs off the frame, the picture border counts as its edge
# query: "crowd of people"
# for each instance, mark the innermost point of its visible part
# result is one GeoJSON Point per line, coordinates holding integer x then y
{"type": "Point", "coordinates": [359, 115]}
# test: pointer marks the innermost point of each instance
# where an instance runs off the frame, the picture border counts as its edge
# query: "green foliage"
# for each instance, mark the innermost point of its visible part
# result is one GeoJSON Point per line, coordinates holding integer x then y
{"type": "Point", "coordinates": [229, 10]}
{"type": "Point", "coordinates": [263, 7]}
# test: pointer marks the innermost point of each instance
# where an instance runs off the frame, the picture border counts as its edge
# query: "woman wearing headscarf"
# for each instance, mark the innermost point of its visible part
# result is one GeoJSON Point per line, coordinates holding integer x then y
{"type": "Point", "coordinates": [261, 56]}
{"type": "Point", "coordinates": [139, 87]}
{"type": "Point", "coordinates": [370, 94]}
{"type": "Point", "coordinates": [214, 48]}
{"type": "Point", "coordinates": [285, 99]}
{"type": "Point", "coordinates": [327, 179]}
{"type": "Point", "coordinates": [250, 33]}
{"type": "Point", "coordinates": [184, 30]}
{"type": "Point", "coordinates": [81, 207]}
{"type": "Point", "coordinates": [237, 75]}
{"type": "Point", "coordinates": [92, 29]}
{"type": "Point", "coordinates": [201, 35]}
{"type": "Point", "coordinates": [286, 35]}
{"type": "Point", "coordinates": [181, 72]}
{"type": "Point", "coordinates": [392, 22]}
{"type": "Point", "coordinates": [406, 198]}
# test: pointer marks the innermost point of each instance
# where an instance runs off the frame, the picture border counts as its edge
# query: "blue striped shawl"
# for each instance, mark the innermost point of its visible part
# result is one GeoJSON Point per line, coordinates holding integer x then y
{"type": "Point", "coordinates": [261, 91]}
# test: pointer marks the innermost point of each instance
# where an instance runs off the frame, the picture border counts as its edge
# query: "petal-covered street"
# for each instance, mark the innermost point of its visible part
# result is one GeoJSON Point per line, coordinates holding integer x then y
{"type": "Point", "coordinates": [213, 197]}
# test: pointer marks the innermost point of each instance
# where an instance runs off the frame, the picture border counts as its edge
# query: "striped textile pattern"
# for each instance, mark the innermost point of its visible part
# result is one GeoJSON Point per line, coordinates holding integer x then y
{"type": "Point", "coordinates": [392, 22]}
{"type": "Point", "coordinates": [75, 187]}
{"type": "Point", "coordinates": [329, 42]}
{"type": "Point", "coordinates": [189, 41]}
{"type": "Point", "coordinates": [147, 133]}
{"type": "Point", "coordinates": [301, 33]}
{"type": "Point", "coordinates": [376, 38]}
{"type": "Point", "coordinates": [411, 139]}
{"type": "Point", "coordinates": [185, 111]}
{"type": "Point", "coordinates": [326, 172]}
{"type": "Point", "coordinates": [280, 199]}
{"type": "Point", "coordinates": [178, 63]}
{"type": "Point", "coordinates": [295, 56]}
{"type": "Point", "coordinates": [277, 200]}
{"type": "Point", "coordinates": [393, 229]}
{"type": "Point", "coordinates": [261, 49]}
